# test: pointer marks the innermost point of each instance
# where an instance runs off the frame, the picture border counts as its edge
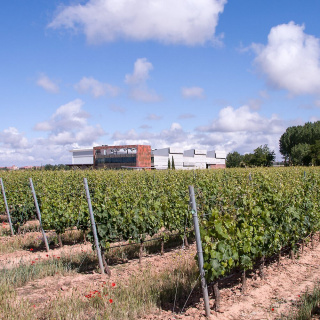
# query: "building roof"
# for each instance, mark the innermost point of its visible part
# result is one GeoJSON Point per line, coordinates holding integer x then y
{"type": "Point", "coordinates": [81, 150]}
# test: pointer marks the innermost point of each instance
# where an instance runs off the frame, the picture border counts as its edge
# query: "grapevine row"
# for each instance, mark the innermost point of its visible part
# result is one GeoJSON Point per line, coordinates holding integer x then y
{"type": "Point", "coordinates": [245, 215]}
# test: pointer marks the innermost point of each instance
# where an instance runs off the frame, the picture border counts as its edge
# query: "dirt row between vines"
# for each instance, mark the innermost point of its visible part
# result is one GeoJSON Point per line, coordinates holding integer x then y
{"type": "Point", "coordinates": [12, 259]}
{"type": "Point", "coordinates": [275, 296]}
{"type": "Point", "coordinates": [265, 299]}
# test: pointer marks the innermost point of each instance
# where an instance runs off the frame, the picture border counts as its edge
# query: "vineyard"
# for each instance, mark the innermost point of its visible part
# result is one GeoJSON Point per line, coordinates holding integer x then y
{"type": "Point", "coordinates": [245, 215]}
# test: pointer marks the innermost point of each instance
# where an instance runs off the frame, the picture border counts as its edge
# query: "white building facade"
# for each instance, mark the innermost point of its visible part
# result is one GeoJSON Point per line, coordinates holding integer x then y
{"type": "Point", "coordinates": [188, 159]}
{"type": "Point", "coordinates": [82, 156]}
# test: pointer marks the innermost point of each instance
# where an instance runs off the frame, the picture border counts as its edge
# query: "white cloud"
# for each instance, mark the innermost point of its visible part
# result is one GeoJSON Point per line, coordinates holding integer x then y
{"type": "Point", "coordinates": [96, 88]}
{"type": "Point", "coordinates": [255, 104]}
{"type": "Point", "coordinates": [242, 119]}
{"type": "Point", "coordinates": [66, 129]}
{"type": "Point", "coordinates": [264, 94]}
{"type": "Point", "coordinates": [192, 92]}
{"type": "Point", "coordinates": [291, 59]}
{"type": "Point", "coordinates": [62, 138]}
{"type": "Point", "coordinates": [89, 134]}
{"type": "Point", "coordinates": [137, 80]}
{"type": "Point", "coordinates": [12, 138]}
{"type": "Point", "coordinates": [14, 147]}
{"type": "Point", "coordinates": [153, 116]}
{"type": "Point", "coordinates": [145, 126]}
{"type": "Point", "coordinates": [186, 116]}
{"type": "Point", "coordinates": [69, 125]}
{"type": "Point", "coordinates": [118, 109]}
{"type": "Point", "coordinates": [141, 70]}
{"type": "Point", "coordinates": [189, 22]}
{"type": "Point", "coordinates": [67, 117]}
{"type": "Point", "coordinates": [242, 130]}
{"type": "Point", "coordinates": [174, 136]}
{"type": "Point", "coordinates": [47, 84]}
{"type": "Point", "coordinates": [314, 119]}
{"type": "Point", "coordinates": [317, 103]}
{"type": "Point", "coordinates": [144, 94]}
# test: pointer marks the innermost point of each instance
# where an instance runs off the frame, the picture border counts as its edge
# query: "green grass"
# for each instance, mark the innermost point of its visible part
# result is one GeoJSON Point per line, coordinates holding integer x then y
{"type": "Point", "coordinates": [11, 308]}
{"type": "Point", "coordinates": [308, 306]}
{"type": "Point", "coordinates": [142, 293]}
{"type": "Point", "coordinates": [35, 241]}
{"type": "Point", "coordinates": [38, 269]}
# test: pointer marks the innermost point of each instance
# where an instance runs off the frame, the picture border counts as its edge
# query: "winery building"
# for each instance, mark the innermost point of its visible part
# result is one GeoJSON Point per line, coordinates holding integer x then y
{"type": "Point", "coordinates": [143, 157]}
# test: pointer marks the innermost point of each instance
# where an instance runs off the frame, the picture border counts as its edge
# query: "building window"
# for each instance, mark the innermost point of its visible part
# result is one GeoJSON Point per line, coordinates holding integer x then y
{"type": "Point", "coordinates": [120, 160]}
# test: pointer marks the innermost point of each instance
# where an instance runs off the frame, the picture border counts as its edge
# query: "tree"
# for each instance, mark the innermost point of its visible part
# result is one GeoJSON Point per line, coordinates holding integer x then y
{"type": "Point", "coordinates": [172, 164]}
{"type": "Point", "coordinates": [308, 134]}
{"type": "Point", "coordinates": [48, 167]}
{"type": "Point", "coordinates": [300, 154]}
{"type": "Point", "coordinates": [263, 156]}
{"type": "Point", "coordinates": [315, 153]}
{"type": "Point", "coordinates": [169, 165]}
{"type": "Point", "coordinates": [233, 159]}
{"type": "Point", "coordinates": [247, 160]}
{"type": "Point", "coordinates": [56, 167]}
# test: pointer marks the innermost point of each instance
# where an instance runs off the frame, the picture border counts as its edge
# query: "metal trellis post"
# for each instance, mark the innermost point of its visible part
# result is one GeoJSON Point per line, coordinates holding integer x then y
{"type": "Point", "coordinates": [39, 214]}
{"type": "Point", "coordinates": [199, 250]}
{"type": "Point", "coordinates": [6, 205]}
{"type": "Point", "coordinates": [93, 225]}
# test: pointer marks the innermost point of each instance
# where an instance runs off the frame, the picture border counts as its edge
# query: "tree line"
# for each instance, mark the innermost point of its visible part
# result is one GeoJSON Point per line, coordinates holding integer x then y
{"type": "Point", "coordinates": [261, 157]}
{"type": "Point", "coordinates": [299, 145]}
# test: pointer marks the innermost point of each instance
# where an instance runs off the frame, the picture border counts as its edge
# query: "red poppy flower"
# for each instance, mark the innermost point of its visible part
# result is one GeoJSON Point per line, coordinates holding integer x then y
{"type": "Point", "coordinates": [272, 309]}
{"type": "Point", "coordinates": [110, 300]}
{"type": "Point", "coordinates": [113, 284]}
{"type": "Point", "coordinates": [31, 249]}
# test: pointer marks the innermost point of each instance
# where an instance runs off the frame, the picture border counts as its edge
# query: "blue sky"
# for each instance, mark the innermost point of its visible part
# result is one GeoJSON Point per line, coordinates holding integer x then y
{"type": "Point", "coordinates": [207, 74]}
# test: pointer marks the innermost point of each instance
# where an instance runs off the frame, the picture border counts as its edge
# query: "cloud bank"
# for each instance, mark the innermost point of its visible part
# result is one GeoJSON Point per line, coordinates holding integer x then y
{"type": "Point", "coordinates": [189, 22]}
{"type": "Point", "coordinates": [233, 129]}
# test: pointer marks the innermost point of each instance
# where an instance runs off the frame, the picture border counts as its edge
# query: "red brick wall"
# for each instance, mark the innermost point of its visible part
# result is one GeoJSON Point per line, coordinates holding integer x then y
{"type": "Point", "coordinates": [217, 166]}
{"type": "Point", "coordinates": [144, 156]}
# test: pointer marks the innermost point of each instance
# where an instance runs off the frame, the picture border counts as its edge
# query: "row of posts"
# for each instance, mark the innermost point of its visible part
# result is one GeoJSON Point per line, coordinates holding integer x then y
{"type": "Point", "coordinates": [94, 230]}
{"type": "Point", "coordinates": [93, 225]}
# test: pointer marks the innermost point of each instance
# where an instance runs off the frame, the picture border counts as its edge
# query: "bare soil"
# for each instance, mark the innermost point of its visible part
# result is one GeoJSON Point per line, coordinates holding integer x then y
{"type": "Point", "coordinates": [270, 298]}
